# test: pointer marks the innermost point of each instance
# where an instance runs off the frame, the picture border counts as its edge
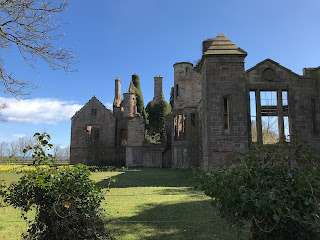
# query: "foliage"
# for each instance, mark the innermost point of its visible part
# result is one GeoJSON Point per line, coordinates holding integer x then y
{"type": "Point", "coordinates": [66, 201]}
{"type": "Point", "coordinates": [155, 138]}
{"type": "Point", "coordinates": [157, 115]}
{"type": "Point", "coordinates": [135, 88]}
{"type": "Point", "coordinates": [42, 145]}
{"type": "Point", "coordinates": [277, 188]}
{"type": "Point", "coordinates": [31, 26]}
{"type": "Point", "coordinates": [172, 97]}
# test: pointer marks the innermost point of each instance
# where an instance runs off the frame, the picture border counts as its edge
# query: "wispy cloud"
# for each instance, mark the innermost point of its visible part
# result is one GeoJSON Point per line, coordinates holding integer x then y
{"type": "Point", "coordinates": [39, 110]}
{"type": "Point", "coordinates": [19, 135]}
{"type": "Point", "coordinates": [109, 105]}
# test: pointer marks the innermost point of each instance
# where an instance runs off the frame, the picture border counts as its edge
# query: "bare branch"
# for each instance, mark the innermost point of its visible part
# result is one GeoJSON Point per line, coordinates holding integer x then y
{"type": "Point", "coordinates": [33, 27]}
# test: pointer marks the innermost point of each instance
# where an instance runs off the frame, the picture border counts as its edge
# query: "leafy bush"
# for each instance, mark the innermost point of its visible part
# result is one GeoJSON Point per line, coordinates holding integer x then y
{"type": "Point", "coordinates": [277, 188]}
{"type": "Point", "coordinates": [66, 201]}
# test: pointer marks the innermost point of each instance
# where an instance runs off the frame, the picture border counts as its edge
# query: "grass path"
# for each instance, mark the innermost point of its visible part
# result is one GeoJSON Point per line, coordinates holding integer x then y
{"type": "Point", "coordinates": [144, 203]}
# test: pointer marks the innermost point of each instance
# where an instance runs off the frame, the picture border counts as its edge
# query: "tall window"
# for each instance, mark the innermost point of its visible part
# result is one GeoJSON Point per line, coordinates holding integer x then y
{"type": "Point", "coordinates": [92, 133]}
{"type": "Point", "coordinates": [226, 114]}
{"type": "Point", "coordinates": [269, 116]}
{"type": "Point", "coordinates": [179, 125]}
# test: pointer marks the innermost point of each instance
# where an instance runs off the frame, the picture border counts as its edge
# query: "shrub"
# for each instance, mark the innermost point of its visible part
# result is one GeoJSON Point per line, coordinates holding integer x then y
{"type": "Point", "coordinates": [66, 201]}
{"type": "Point", "coordinates": [276, 188]}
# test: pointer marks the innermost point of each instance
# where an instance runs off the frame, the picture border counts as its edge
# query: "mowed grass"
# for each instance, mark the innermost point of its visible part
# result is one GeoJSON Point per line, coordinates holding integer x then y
{"type": "Point", "coordinates": [144, 203]}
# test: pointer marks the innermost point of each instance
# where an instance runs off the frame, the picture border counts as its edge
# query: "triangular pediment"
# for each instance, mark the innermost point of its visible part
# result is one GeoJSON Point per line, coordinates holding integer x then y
{"type": "Point", "coordinates": [269, 61]}
{"type": "Point", "coordinates": [93, 101]}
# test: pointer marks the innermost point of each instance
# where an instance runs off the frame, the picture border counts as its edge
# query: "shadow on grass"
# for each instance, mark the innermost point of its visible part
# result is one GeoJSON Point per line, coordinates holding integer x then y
{"type": "Point", "coordinates": [189, 221]}
{"type": "Point", "coordinates": [149, 177]}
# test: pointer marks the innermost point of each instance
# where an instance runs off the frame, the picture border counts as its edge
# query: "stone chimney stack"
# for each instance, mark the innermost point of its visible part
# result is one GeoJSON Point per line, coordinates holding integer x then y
{"type": "Point", "coordinates": [117, 95]}
{"type": "Point", "coordinates": [206, 44]}
{"type": "Point", "coordinates": [157, 88]}
{"type": "Point", "coordinates": [129, 107]}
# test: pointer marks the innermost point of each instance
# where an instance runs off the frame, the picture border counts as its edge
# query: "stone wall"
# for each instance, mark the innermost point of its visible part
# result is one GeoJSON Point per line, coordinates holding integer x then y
{"type": "Point", "coordinates": [224, 134]}
{"type": "Point", "coordinates": [136, 131]}
{"type": "Point", "coordinates": [303, 97]}
{"type": "Point", "coordinates": [93, 114]}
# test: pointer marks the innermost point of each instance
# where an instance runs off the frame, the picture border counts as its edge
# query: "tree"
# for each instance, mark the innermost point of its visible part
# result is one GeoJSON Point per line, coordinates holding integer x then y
{"type": "Point", "coordinates": [269, 131]}
{"type": "Point", "coordinates": [157, 115]}
{"type": "Point", "coordinates": [32, 26]}
{"type": "Point", "coordinates": [135, 88]}
{"type": "Point", "coordinates": [3, 149]}
{"type": "Point", "coordinates": [58, 153]}
{"type": "Point", "coordinates": [2, 106]}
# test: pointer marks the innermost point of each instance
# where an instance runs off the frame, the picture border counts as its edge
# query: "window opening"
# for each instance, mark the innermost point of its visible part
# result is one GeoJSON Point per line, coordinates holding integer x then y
{"type": "Point", "coordinates": [93, 111]}
{"type": "Point", "coordinates": [175, 126]}
{"type": "Point", "coordinates": [286, 127]}
{"type": "Point", "coordinates": [184, 127]}
{"type": "Point", "coordinates": [187, 69]}
{"type": "Point", "coordinates": [226, 114]}
{"type": "Point", "coordinates": [123, 137]}
{"type": "Point", "coordinates": [253, 116]}
{"type": "Point", "coordinates": [179, 123]}
{"type": "Point", "coordinates": [92, 133]}
{"type": "Point", "coordinates": [269, 113]}
{"type": "Point", "coordinates": [269, 117]}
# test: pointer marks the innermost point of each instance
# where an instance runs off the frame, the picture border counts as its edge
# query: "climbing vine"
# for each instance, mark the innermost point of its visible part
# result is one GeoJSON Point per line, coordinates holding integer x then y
{"type": "Point", "coordinates": [135, 88]}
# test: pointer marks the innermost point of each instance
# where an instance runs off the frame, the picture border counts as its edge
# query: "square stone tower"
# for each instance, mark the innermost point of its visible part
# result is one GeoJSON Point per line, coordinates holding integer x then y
{"type": "Point", "coordinates": [224, 106]}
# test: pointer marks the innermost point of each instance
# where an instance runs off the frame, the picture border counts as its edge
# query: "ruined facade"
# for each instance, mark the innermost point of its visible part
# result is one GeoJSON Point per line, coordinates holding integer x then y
{"type": "Point", "coordinates": [219, 111]}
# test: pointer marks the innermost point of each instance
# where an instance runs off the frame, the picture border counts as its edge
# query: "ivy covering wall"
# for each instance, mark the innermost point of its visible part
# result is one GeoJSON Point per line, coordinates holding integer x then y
{"type": "Point", "coordinates": [135, 88]}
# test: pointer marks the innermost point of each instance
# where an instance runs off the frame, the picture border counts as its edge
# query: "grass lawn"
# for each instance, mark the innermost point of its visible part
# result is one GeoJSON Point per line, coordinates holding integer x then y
{"type": "Point", "coordinates": [145, 203]}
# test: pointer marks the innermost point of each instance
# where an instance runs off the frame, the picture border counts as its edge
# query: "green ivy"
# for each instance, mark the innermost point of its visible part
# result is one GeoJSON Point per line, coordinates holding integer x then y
{"type": "Point", "coordinates": [276, 188]}
{"type": "Point", "coordinates": [172, 97]}
{"type": "Point", "coordinates": [135, 88]}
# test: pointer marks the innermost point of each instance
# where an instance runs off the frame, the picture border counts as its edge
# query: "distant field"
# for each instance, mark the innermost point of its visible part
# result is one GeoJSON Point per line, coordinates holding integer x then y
{"type": "Point", "coordinates": [145, 203]}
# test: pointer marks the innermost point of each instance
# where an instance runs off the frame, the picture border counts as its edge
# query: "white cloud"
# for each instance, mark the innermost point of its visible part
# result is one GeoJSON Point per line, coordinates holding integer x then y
{"type": "Point", "coordinates": [39, 110]}
{"type": "Point", "coordinates": [19, 135]}
{"type": "Point", "coordinates": [109, 105]}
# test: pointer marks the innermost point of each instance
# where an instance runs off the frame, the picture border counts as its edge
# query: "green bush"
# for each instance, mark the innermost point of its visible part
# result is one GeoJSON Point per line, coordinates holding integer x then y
{"type": "Point", "coordinates": [276, 188]}
{"type": "Point", "coordinates": [66, 201]}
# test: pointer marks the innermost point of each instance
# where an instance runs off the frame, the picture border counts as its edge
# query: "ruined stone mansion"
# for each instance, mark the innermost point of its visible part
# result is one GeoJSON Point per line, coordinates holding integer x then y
{"type": "Point", "coordinates": [219, 110]}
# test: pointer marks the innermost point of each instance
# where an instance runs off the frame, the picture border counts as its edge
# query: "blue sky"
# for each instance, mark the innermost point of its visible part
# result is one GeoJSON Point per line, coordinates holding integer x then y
{"type": "Point", "coordinates": [117, 38]}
